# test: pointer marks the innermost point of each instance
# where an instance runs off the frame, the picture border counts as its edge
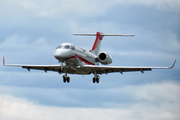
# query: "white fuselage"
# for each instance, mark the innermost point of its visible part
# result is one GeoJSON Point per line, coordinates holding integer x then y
{"type": "Point", "coordinates": [74, 56]}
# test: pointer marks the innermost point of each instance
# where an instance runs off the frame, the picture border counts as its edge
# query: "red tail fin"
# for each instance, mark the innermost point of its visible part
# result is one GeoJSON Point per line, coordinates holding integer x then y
{"type": "Point", "coordinates": [97, 43]}
{"type": "Point", "coordinates": [98, 38]}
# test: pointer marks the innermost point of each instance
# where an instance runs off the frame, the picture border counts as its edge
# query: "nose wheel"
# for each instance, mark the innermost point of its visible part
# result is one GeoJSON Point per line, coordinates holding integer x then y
{"type": "Point", "coordinates": [66, 78]}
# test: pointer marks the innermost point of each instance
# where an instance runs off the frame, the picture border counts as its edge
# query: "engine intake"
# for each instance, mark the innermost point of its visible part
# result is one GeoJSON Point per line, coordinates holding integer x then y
{"type": "Point", "coordinates": [105, 58]}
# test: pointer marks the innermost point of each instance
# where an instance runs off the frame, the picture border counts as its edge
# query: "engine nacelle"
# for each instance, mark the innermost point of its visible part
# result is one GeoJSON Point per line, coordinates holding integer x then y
{"type": "Point", "coordinates": [104, 58]}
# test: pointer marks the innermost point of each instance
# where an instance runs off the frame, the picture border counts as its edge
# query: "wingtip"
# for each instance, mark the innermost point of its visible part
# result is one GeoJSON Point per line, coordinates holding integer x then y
{"type": "Point", "coordinates": [3, 60]}
{"type": "Point", "coordinates": [173, 64]}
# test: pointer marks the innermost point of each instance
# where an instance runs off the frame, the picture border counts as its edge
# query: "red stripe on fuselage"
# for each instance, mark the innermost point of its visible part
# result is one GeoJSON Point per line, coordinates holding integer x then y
{"type": "Point", "coordinates": [82, 59]}
{"type": "Point", "coordinates": [98, 38]}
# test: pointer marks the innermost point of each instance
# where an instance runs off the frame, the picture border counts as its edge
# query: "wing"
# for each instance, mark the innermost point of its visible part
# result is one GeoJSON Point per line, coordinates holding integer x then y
{"type": "Point", "coordinates": [46, 68]}
{"type": "Point", "coordinates": [56, 68]}
{"type": "Point", "coordinates": [110, 69]}
{"type": "Point", "coordinates": [88, 68]}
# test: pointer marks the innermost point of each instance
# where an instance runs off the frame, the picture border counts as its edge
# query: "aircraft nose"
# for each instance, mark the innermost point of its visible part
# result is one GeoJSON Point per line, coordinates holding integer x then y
{"type": "Point", "coordinates": [60, 54]}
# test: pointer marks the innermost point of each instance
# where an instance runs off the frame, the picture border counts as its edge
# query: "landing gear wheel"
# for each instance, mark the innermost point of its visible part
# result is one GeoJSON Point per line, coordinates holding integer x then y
{"type": "Point", "coordinates": [94, 80]}
{"type": "Point", "coordinates": [97, 80]}
{"type": "Point", "coordinates": [96, 77]}
{"type": "Point", "coordinates": [68, 79]}
{"type": "Point", "coordinates": [64, 79]}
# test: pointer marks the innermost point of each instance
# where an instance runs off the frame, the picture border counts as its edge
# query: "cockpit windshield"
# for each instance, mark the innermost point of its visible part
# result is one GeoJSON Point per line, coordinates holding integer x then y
{"type": "Point", "coordinates": [59, 47]}
{"type": "Point", "coordinates": [66, 47]}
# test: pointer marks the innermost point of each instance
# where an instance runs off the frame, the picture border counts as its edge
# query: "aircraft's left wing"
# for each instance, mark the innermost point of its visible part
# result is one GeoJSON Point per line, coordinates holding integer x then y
{"type": "Point", "coordinates": [110, 69]}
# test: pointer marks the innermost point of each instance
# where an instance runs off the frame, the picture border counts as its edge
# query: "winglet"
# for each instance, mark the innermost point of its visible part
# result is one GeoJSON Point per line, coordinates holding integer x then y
{"type": "Point", "coordinates": [3, 60]}
{"type": "Point", "coordinates": [173, 64]}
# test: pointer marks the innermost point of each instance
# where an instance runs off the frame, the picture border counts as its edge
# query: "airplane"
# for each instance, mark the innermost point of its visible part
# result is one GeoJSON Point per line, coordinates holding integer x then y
{"type": "Point", "coordinates": [84, 62]}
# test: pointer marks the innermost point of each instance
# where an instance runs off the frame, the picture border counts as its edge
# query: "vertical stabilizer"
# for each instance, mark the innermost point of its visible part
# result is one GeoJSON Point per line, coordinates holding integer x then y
{"type": "Point", "coordinates": [97, 44]}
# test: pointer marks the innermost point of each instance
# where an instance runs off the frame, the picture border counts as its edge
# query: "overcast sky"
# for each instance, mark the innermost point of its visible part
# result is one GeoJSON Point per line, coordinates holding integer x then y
{"type": "Point", "coordinates": [30, 30]}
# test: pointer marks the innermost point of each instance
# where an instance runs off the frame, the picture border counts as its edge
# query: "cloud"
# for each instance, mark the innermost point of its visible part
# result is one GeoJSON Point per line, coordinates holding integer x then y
{"type": "Point", "coordinates": [83, 8]}
{"type": "Point", "coordinates": [23, 109]}
{"type": "Point", "coordinates": [21, 42]}
{"type": "Point", "coordinates": [172, 5]}
{"type": "Point", "coordinates": [57, 8]}
{"type": "Point", "coordinates": [25, 47]}
{"type": "Point", "coordinates": [153, 101]}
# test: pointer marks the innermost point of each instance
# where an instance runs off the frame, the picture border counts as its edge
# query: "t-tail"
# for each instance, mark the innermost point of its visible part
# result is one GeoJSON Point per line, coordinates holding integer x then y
{"type": "Point", "coordinates": [99, 36]}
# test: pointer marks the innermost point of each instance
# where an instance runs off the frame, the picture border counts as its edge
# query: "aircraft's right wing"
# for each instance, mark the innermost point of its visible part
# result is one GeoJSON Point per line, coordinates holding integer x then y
{"type": "Point", "coordinates": [56, 68]}
{"type": "Point", "coordinates": [39, 67]}
{"type": "Point", "coordinates": [110, 69]}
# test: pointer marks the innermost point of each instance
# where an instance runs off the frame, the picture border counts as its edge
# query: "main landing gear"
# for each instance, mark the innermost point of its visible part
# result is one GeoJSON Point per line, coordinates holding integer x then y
{"type": "Point", "coordinates": [96, 79]}
{"type": "Point", "coordinates": [66, 78]}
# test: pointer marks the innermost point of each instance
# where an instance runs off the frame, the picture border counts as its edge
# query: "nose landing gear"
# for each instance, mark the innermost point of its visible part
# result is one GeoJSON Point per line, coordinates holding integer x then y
{"type": "Point", "coordinates": [66, 78]}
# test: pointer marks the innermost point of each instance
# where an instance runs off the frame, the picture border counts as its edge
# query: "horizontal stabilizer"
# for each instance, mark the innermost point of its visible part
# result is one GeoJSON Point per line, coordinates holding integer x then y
{"type": "Point", "coordinates": [87, 34]}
